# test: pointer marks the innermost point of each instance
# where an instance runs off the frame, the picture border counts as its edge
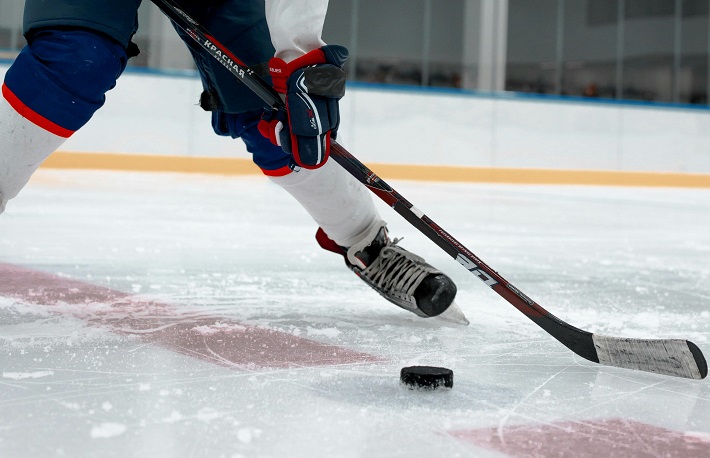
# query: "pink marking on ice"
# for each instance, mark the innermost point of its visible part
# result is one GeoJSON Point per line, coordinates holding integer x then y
{"type": "Point", "coordinates": [616, 437]}
{"type": "Point", "coordinates": [217, 340]}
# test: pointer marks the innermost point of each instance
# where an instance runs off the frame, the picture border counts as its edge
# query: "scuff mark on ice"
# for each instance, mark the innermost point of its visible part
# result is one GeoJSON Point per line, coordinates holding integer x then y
{"type": "Point", "coordinates": [25, 375]}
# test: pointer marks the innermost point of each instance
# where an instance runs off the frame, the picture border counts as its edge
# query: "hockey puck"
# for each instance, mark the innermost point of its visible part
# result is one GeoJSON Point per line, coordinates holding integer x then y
{"type": "Point", "coordinates": [427, 377]}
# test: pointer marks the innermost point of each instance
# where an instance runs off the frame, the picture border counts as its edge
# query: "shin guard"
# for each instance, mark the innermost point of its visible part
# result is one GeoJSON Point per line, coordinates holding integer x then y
{"type": "Point", "coordinates": [24, 146]}
{"type": "Point", "coordinates": [337, 202]}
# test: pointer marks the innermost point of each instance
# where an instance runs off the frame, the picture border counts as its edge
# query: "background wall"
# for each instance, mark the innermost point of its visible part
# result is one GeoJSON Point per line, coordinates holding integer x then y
{"type": "Point", "coordinates": [158, 114]}
{"type": "Point", "coordinates": [650, 50]}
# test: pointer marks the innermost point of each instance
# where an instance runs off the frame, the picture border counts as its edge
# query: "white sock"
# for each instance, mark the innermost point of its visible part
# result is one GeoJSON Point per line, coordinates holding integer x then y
{"type": "Point", "coordinates": [23, 147]}
{"type": "Point", "coordinates": [337, 202]}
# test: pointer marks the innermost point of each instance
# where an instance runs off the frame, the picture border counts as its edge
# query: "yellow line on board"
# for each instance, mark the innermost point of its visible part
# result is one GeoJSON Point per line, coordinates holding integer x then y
{"type": "Point", "coordinates": [151, 163]}
{"type": "Point", "coordinates": [242, 166]}
{"type": "Point", "coordinates": [540, 176]}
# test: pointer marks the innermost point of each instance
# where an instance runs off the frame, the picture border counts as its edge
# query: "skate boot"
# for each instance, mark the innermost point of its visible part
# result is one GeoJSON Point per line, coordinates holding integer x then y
{"type": "Point", "coordinates": [400, 276]}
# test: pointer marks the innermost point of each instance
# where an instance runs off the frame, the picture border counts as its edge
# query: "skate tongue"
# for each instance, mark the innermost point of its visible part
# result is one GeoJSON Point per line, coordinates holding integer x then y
{"type": "Point", "coordinates": [453, 314]}
{"type": "Point", "coordinates": [368, 253]}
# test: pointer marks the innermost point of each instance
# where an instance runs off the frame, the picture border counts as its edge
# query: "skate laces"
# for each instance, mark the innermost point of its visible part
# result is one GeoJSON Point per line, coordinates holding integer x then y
{"type": "Point", "coordinates": [397, 270]}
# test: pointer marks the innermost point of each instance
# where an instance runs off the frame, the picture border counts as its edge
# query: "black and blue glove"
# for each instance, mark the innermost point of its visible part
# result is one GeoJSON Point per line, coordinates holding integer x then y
{"type": "Point", "coordinates": [312, 86]}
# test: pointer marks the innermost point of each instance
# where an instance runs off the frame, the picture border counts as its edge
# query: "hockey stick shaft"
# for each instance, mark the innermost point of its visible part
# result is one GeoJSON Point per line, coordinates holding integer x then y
{"type": "Point", "coordinates": [670, 357]}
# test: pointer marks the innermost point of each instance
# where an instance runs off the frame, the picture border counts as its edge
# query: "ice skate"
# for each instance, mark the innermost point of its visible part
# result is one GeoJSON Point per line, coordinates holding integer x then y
{"type": "Point", "coordinates": [400, 276]}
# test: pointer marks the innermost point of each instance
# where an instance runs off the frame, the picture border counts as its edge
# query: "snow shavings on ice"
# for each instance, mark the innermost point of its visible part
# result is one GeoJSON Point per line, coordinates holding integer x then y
{"type": "Point", "coordinates": [207, 330]}
{"type": "Point", "coordinates": [247, 435]}
{"type": "Point", "coordinates": [107, 430]}
{"type": "Point", "coordinates": [326, 332]}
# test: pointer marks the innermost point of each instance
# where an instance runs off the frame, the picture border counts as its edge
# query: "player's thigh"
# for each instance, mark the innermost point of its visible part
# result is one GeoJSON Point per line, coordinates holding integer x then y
{"type": "Point", "coordinates": [115, 18]}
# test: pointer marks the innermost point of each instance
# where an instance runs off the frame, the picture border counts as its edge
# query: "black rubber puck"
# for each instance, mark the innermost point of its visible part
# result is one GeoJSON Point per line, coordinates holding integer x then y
{"type": "Point", "coordinates": [427, 377]}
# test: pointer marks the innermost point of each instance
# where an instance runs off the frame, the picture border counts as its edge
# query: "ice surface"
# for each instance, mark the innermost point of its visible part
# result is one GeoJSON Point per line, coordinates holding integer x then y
{"type": "Point", "coordinates": [158, 315]}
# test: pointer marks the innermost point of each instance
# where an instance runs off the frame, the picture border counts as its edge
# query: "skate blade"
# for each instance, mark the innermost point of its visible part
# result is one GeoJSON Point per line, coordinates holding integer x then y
{"type": "Point", "coordinates": [453, 314]}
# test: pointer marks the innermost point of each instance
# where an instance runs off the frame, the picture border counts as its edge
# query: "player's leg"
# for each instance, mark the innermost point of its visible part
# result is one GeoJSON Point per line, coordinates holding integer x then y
{"type": "Point", "coordinates": [339, 204]}
{"type": "Point", "coordinates": [76, 50]}
{"type": "Point", "coordinates": [351, 226]}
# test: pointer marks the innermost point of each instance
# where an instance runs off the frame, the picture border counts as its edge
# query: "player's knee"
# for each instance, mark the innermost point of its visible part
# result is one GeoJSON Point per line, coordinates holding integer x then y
{"type": "Point", "coordinates": [86, 62]}
{"type": "Point", "coordinates": [63, 75]}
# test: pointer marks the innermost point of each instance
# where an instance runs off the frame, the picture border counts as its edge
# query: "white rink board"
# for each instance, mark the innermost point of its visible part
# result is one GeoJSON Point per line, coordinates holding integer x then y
{"type": "Point", "coordinates": [158, 114]}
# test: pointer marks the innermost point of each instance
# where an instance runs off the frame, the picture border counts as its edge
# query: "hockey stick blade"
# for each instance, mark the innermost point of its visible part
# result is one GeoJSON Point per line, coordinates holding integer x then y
{"type": "Point", "coordinates": [679, 358]}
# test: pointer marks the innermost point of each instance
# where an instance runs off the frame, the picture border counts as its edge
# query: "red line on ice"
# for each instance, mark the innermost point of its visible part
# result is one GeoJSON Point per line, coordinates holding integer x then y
{"type": "Point", "coordinates": [615, 437]}
{"type": "Point", "coordinates": [217, 340]}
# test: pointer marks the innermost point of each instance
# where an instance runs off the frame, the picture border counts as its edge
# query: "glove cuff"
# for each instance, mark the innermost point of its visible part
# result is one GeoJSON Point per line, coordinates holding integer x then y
{"type": "Point", "coordinates": [281, 70]}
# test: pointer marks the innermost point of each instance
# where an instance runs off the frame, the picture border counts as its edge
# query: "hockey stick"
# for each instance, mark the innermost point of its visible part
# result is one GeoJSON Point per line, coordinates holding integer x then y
{"type": "Point", "coordinates": [674, 357]}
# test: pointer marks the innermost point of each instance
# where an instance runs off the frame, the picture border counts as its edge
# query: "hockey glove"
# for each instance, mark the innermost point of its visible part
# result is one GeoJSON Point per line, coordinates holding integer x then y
{"type": "Point", "coordinates": [312, 86]}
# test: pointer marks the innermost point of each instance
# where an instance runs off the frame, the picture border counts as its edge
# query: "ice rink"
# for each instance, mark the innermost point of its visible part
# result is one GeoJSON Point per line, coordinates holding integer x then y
{"type": "Point", "coordinates": [168, 315]}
